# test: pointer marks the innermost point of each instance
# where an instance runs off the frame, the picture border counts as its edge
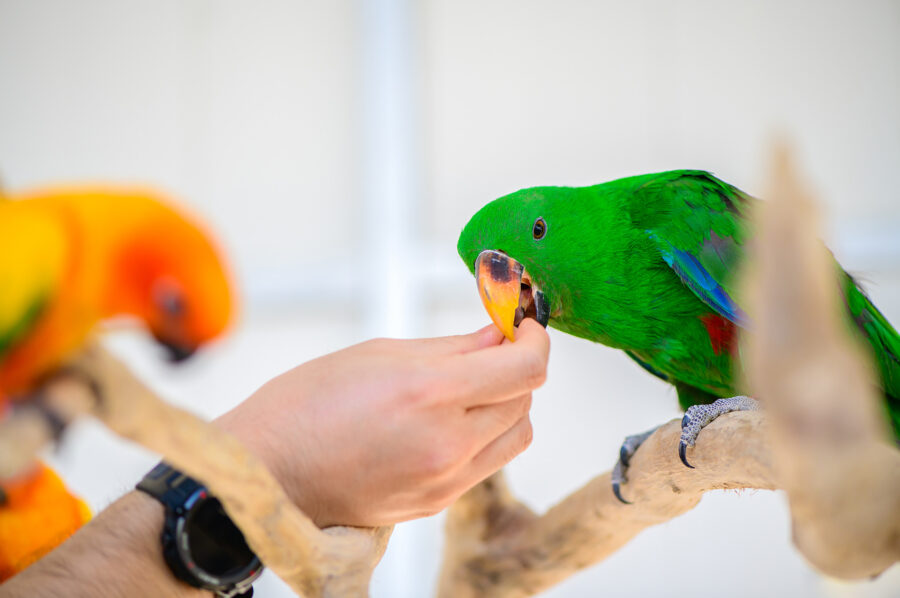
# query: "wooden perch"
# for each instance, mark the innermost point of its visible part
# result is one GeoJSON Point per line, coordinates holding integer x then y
{"type": "Point", "coordinates": [828, 449]}
{"type": "Point", "coordinates": [332, 562]}
{"type": "Point", "coordinates": [497, 547]}
{"type": "Point", "coordinates": [816, 379]}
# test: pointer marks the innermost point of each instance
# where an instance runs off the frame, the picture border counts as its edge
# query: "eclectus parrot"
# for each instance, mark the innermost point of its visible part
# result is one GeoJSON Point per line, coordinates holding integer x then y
{"type": "Point", "coordinates": [69, 258]}
{"type": "Point", "coordinates": [646, 264]}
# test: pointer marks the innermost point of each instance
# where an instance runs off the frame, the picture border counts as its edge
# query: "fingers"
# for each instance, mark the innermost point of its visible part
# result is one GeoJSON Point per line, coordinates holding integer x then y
{"type": "Point", "coordinates": [465, 473]}
{"type": "Point", "coordinates": [499, 373]}
{"type": "Point", "coordinates": [500, 452]}
{"type": "Point", "coordinates": [486, 423]}
{"type": "Point", "coordinates": [461, 343]}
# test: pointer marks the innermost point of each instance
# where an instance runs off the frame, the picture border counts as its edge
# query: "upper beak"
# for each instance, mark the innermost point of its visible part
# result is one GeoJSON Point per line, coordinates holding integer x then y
{"type": "Point", "coordinates": [508, 293]}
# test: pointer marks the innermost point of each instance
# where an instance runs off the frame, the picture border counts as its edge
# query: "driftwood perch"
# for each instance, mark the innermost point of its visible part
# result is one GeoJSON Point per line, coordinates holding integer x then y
{"type": "Point", "coordinates": [333, 562]}
{"type": "Point", "coordinates": [834, 457]}
{"type": "Point", "coordinates": [828, 449]}
{"type": "Point", "coordinates": [497, 547]}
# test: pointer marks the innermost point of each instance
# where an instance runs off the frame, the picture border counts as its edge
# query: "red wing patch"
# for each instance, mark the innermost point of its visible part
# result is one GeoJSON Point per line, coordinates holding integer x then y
{"type": "Point", "coordinates": [721, 333]}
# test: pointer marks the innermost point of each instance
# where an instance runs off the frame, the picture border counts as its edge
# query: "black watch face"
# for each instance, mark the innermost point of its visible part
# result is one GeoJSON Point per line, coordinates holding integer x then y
{"type": "Point", "coordinates": [215, 544]}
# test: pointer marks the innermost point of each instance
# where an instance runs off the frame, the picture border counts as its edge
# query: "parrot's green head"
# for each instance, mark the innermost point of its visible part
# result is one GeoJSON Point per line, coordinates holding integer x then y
{"type": "Point", "coordinates": [520, 249]}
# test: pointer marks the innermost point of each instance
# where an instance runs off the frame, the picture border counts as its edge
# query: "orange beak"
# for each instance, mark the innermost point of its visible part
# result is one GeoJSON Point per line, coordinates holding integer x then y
{"type": "Point", "coordinates": [507, 292]}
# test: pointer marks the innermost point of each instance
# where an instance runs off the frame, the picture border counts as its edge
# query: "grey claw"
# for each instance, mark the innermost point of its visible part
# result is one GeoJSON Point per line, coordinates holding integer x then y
{"type": "Point", "coordinates": [682, 452]}
{"type": "Point", "coordinates": [682, 446]}
{"type": "Point", "coordinates": [629, 446]}
{"type": "Point", "coordinates": [618, 493]}
{"type": "Point", "coordinates": [698, 416]}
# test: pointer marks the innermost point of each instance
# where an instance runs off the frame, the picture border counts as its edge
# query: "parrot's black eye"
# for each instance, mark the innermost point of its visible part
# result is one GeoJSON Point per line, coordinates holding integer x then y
{"type": "Point", "coordinates": [169, 299]}
{"type": "Point", "coordinates": [539, 229]}
{"type": "Point", "coordinates": [173, 305]}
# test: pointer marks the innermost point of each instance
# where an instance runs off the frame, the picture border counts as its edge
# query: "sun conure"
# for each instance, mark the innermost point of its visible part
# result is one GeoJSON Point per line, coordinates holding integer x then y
{"type": "Point", "coordinates": [69, 258]}
{"type": "Point", "coordinates": [646, 264]}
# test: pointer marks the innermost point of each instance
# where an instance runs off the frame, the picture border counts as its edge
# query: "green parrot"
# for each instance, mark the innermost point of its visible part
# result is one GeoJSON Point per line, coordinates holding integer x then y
{"type": "Point", "coordinates": [646, 264]}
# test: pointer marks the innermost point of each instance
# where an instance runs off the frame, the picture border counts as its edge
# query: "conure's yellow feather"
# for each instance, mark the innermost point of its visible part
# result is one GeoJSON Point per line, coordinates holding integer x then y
{"type": "Point", "coordinates": [69, 258]}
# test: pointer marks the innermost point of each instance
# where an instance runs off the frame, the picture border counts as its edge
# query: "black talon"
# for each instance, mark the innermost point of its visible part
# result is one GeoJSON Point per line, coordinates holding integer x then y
{"type": "Point", "coordinates": [628, 449]}
{"type": "Point", "coordinates": [685, 420]}
{"type": "Point", "coordinates": [618, 493]}
{"type": "Point", "coordinates": [682, 452]}
{"type": "Point", "coordinates": [56, 422]}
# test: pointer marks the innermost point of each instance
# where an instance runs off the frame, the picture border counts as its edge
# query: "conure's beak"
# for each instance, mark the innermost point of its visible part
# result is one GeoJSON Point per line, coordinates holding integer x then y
{"type": "Point", "coordinates": [508, 293]}
{"type": "Point", "coordinates": [179, 353]}
{"type": "Point", "coordinates": [176, 352]}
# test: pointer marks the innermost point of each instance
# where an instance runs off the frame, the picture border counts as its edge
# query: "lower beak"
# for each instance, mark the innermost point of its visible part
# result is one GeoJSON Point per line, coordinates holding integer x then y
{"type": "Point", "coordinates": [176, 352]}
{"type": "Point", "coordinates": [508, 293]}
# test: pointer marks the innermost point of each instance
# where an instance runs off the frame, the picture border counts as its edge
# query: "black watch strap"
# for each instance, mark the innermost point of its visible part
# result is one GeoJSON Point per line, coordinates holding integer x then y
{"type": "Point", "coordinates": [169, 486]}
{"type": "Point", "coordinates": [179, 493]}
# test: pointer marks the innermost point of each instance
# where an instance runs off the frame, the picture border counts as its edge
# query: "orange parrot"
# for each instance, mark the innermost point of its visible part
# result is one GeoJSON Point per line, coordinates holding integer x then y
{"type": "Point", "coordinates": [69, 258]}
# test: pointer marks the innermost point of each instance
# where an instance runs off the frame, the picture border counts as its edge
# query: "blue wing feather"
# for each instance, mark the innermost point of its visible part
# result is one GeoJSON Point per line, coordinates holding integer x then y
{"type": "Point", "coordinates": [701, 282]}
{"type": "Point", "coordinates": [697, 226]}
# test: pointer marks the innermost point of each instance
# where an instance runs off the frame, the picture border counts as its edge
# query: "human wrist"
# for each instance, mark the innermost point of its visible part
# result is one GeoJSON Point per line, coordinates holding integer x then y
{"type": "Point", "coordinates": [201, 545]}
{"type": "Point", "coordinates": [146, 516]}
{"type": "Point", "coordinates": [116, 554]}
{"type": "Point", "coordinates": [290, 468]}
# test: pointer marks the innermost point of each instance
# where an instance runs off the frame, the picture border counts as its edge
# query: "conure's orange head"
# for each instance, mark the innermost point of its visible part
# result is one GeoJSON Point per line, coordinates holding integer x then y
{"type": "Point", "coordinates": [137, 254]}
{"type": "Point", "coordinates": [167, 271]}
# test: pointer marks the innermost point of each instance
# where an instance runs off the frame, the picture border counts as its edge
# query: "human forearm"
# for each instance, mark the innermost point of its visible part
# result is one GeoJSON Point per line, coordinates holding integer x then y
{"type": "Point", "coordinates": [116, 554]}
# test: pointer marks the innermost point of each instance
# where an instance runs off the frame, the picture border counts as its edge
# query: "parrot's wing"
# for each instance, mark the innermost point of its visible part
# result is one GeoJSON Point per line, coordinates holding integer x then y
{"type": "Point", "coordinates": [698, 278]}
{"type": "Point", "coordinates": [700, 229]}
{"type": "Point", "coordinates": [32, 262]}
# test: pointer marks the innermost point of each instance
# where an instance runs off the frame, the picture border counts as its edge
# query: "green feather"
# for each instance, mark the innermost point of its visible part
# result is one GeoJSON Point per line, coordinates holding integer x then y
{"type": "Point", "coordinates": [648, 264]}
{"type": "Point", "coordinates": [20, 328]}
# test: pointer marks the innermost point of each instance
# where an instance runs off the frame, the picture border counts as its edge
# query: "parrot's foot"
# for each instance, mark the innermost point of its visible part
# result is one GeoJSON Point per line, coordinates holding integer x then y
{"type": "Point", "coordinates": [629, 447]}
{"type": "Point", "coordinates": [698, 417]}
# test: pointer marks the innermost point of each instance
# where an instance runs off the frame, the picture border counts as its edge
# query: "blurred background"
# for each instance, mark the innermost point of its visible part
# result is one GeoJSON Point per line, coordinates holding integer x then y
{"type": "Point", "coordinates": [339, 146]}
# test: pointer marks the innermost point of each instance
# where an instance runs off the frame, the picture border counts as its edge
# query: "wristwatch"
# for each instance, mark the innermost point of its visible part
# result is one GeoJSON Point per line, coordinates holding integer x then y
{"type": "Point", "coordinates": [201, 545]}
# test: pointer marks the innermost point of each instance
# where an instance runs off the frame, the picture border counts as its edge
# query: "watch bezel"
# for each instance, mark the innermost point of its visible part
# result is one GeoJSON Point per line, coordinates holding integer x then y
{"type": "Point", "coordinates": [225, 585]}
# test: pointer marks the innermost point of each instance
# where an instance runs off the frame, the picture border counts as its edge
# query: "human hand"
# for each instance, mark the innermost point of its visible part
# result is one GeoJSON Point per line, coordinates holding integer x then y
{"type": "Point", "coordinates": [391, 430]}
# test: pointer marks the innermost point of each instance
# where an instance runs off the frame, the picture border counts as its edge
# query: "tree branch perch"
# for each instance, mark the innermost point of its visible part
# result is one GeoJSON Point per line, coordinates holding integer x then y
{"type": "Point", "coordinates": [497, 547]}
{"type": "Point", "coordinates": [818, 382]}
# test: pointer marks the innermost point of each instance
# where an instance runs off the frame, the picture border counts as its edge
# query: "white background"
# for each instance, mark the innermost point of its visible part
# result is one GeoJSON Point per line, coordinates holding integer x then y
{"type": "Point", "coordinates": [338, 147]}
